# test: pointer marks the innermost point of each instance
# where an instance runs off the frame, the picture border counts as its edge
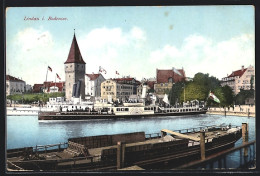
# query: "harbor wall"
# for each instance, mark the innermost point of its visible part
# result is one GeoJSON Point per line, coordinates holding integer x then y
{"type": "Point", "coordinates": [237, 110]}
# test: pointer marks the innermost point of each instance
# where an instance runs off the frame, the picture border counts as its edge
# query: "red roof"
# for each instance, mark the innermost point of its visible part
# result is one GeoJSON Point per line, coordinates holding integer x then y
{"type": "Point", "coordinates": [123, 79]}
{"type": "Point", "coordinates": [93, 76]}
{"type": "Point", "coordinates": [37, 88]}
{"type": "Point", "coordinates": [151, 84]}
{"type": "Point", "coordinates": [11, 78]}
{"type": "Point", "coordinates": [237, 73]}
{"type": "Point", "coordinates": [74, 54]}
{"type": "Point", "coordinates": [164, 75]}
{"type": "Point", "coordinates": [60, 86]}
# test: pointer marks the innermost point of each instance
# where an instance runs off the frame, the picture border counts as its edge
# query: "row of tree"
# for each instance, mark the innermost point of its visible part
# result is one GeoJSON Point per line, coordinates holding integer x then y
{"type": "Point", "coordinates": [199, 88]}
{"type": "Point", "coordinates": [29, 98]}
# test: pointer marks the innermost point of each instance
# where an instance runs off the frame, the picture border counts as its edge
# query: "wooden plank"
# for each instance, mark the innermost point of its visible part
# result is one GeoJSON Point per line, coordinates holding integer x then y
{"type": "Point", "coordinates": [181, 135]}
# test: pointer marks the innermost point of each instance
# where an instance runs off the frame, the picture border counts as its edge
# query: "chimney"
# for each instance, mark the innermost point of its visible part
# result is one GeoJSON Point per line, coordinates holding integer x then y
{"type": "Point", "coordinates": [242, 67]}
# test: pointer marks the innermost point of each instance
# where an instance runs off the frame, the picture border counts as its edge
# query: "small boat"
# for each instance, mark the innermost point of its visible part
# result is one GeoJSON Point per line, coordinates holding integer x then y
{"type": "Point", "coordinates": [165, 150]}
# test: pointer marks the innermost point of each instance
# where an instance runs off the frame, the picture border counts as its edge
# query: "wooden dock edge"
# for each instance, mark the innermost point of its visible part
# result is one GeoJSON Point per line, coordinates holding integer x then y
{"type": "Point", "coordinates": [212, 157]}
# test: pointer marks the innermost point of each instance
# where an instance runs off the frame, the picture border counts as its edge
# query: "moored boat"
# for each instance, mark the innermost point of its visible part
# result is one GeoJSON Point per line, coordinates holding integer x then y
{"type": "Point", "coordinates": [127, 110]}
{"type": "Point", "coordinates": [164, 150]}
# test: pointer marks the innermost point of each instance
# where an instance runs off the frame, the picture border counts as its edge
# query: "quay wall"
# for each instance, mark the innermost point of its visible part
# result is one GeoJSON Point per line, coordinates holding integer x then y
{"type": "Point", "coordinates": [237, 110]}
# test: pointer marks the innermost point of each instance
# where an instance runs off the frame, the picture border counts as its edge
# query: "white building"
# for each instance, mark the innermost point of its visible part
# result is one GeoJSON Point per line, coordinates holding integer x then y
{"type": "Point", "coordinates": [28, 88]}
{"type": "Point", "coordinates": [92, 84]}
{"type": "Point", "coordinates": [240, 79]}
{"type": "Point", "coordinates": [14, 85]}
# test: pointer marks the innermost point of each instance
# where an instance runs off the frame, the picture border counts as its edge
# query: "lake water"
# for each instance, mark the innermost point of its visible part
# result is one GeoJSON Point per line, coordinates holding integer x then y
{"type": "Point", "coordinates": [27, 131]}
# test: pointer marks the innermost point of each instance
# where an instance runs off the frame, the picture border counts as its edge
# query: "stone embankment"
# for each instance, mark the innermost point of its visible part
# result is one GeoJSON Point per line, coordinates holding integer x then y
{"type": "Point", "coordinates": [237, 110]}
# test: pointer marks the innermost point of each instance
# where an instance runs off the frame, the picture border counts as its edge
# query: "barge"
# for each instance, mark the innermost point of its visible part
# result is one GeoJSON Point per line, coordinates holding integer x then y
{"type": "Point", "coordinates": [165, 150]}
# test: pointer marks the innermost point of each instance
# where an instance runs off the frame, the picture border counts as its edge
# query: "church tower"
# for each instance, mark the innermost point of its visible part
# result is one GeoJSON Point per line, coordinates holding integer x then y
{"type": "Point", "coordinates": [74, 71]}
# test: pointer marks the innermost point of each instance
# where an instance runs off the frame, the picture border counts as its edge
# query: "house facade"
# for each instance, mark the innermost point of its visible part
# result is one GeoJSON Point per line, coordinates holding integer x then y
{"type": "Point", "coordinates": [166, 78]}
{"type": "Point", "coordinates": [14, 85]}
{"type": "Point", "coordinates": [112, 90]}
{"type": "Point", "coordinates": [240, 79]}
{"type": "Point", "coordinates": [93, 84]}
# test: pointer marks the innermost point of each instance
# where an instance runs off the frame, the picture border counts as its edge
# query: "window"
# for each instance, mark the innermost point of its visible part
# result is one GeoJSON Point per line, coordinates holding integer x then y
{"type": "Point", "coordinates": [161, 84]}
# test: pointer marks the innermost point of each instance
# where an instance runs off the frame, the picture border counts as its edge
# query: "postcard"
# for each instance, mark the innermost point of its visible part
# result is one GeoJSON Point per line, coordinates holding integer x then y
{"type": "Point", "coordinates": [119, 88]}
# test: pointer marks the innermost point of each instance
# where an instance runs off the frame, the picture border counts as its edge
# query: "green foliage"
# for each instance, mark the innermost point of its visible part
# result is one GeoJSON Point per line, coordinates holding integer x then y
{"type": "Point", "coordinates": [194, 91]}
{"type": "Point", "coordinates": [199, 88]}
{"type": "Point", "coordinates": [32, 97]}
{"type": "Point", "coordinates": [175, 92]}
{"type": "Point", "coordinates": [225, 96]}
{"type": "Point", "coordinates": [243, 95]}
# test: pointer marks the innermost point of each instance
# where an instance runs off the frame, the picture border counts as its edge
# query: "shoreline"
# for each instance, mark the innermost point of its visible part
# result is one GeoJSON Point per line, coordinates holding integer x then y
{"type": "Point", "coordinates": [242, 114]}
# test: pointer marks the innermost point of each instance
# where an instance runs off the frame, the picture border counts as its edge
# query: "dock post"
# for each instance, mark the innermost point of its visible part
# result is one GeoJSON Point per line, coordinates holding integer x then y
{"type": "Point", "coordinates": [245, 137]}
{"type": "Point", "coordinates": [202, 144]}
{"type": "Point", "coordinates": [120, 154]}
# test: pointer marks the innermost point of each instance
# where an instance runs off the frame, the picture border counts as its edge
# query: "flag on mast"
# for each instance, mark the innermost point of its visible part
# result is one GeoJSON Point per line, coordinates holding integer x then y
{"type": "Point", "coordinates": [58, 76]}
{"type": "Point", "coordinates": [165, 99]}
{"type": "Point", "coordinates": [102, 70]}
{"type": "Point", "coordinates": [213, 97]}
{"type": "Point", "coordinates": [176, 71]}
{"type": "Point", "coordinates": [117, 73]}
{"type": "Point", "coordinates": [49, 68]}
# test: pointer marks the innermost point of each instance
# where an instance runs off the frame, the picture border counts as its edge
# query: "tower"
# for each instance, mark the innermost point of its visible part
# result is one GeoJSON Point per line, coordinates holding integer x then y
{"type": "Point", "coordinates": [74, 70]}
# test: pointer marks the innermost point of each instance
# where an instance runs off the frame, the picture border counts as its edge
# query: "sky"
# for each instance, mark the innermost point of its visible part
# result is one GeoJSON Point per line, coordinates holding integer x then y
{"type": "Point", "coordinates": [134, 41]}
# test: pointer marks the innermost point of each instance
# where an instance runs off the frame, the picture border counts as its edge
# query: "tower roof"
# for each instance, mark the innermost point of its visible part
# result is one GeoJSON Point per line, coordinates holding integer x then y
{"type": "Point", "coordinates": [74, 54]}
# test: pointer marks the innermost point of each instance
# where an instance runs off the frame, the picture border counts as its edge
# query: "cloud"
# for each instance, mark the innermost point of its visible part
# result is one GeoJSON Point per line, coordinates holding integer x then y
{"type": "Point", "coordinates": [112, 49]}
{"type": "Point", "coordinates": [128, 52]}
{"type": "Point", "coordinates": [31, 38]}
{"type": "Point", "coordinates": [29, 54]}
{"type": "Point", "coordinates": [201, 54]}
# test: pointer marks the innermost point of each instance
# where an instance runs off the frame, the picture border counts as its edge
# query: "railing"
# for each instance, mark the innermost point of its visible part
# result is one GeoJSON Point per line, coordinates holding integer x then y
{"type": "Point", "coordinates": [45, 148]}
{"type": "Point", "coordinates": [152, 136]}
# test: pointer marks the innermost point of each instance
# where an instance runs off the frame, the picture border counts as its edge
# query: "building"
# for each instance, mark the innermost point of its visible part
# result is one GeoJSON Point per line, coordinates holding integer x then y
{"type": "Point", "coordinates": [37, 88]}
{"type": "Point", "coordinates": [28, 88]}
{"type": "Point", "coordinates": [150, 87]}
{"type": "Point", "coordinates": [93, 83]}
{"type": "Point", "coordinates": [49, 87]}
{"type": "Point", "coordinates": [129, 80]}
{"type": "Point", "coordinates": [113, 90]}
{"type": "Point", "coordinates": [14, 85]}
{"type": "Point", "coordinates": [240, 79]}
{"type": "Point", "coordinates": [56, 87]}
{"type": "Point", "coordinates": [166, 78]}
{"type": "Point", "coordinates": [74, 71]}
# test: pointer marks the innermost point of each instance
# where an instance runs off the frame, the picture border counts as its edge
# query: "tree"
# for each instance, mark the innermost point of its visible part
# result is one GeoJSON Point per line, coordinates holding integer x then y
{"type": "Point", "coordinates": [194, 91]}
{"type": "Point", "coordinates": [243, 95]}
{"type": "Point", "coordinates": [225, 96]}
{"type": "Point", "coordinates": [229, 95]}
{"type": "Point", "coordinates": [175, 92]}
